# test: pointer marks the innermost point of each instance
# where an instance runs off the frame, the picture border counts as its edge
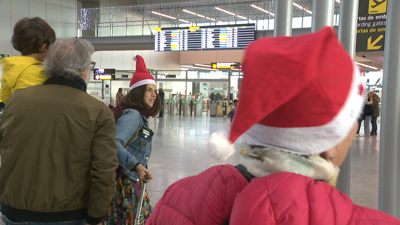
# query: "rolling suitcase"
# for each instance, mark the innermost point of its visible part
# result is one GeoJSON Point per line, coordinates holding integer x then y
{"type": "Point", "coordinates": [213, 109]}
{"type": "Point", "coordinates": [139, 207]}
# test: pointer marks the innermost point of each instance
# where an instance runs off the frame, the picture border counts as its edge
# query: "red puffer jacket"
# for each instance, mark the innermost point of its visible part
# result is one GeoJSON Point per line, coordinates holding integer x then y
{"type": "Point", "coordinates": [288, 198]}
{"type": "Point", "coordinates": [204, 199]}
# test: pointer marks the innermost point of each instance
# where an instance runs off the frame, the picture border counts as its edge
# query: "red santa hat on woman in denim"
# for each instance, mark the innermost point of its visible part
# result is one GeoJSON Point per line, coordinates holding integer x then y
{"type": "Point", "coordinates": [299, 94]}
{"type": "Point", "coordinates": [141, 76]}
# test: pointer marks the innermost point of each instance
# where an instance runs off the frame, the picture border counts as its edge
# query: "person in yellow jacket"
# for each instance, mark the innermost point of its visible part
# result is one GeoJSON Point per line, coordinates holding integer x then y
{"type": "Point", "coordinates": [33, 38]}
{"type": "Point", "coordinates": [2, 105]}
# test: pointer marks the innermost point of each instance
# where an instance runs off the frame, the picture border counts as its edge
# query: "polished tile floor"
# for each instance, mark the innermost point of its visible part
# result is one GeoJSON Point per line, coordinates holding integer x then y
{"type": "Point", "coordinates": [180, 150]}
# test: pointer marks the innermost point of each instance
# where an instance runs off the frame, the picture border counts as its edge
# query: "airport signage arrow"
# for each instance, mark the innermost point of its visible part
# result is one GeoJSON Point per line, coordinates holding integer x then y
{"type": "Point", "coordinates": [372, 45]}
{"type": "Point", "coordinates": [371, 25]}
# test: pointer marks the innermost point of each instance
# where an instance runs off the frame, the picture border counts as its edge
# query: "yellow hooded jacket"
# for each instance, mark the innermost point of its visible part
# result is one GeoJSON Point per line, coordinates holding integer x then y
{"type": "Point", "coordinates": [20, 72]}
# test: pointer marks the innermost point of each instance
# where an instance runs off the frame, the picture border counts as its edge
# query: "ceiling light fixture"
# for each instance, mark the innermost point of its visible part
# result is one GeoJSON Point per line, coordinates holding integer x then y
{"type": "Point", "coordinates": [195, 67]}
{"type": "Point", "coordinates": [184, 21]}
{"type": "Point", "coordinates": [225, 11]}
{"type": "Point", "coordinates": [361, 64]}
{"type": "Point", "coordinates": [160, 14]}
{"type": "Point", "coordinates": [199, 15]}
{"type": "Point", "coordinates": [202, 65]}
{"type": "Point", "coordinates": [193, 13]}
{"type": "Point", "coordinates": [301, 7]}
{"type": "Point", "coordinates": [231, 13]}
{"type": "Point", "coordinates": [259, 8]}
{"type": "Point", "coordinates": [242, 17]}
{"type": "Point", "coordinates": [210, 18]}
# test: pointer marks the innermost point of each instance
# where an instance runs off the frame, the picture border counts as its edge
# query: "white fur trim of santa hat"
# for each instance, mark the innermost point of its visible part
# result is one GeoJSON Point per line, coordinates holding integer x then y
{"type": "Point", "coordinates": [142, 82]}
{"type": "Point", "coordinates": [219, 146]}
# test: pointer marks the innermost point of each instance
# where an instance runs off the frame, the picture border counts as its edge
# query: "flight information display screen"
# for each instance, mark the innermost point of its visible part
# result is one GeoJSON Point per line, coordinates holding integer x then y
{"type": "Point", "coordinates": [204, 38]}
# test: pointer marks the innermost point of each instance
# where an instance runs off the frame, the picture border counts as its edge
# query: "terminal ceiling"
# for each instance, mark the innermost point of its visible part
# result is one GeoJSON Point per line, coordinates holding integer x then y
{"type": "Point", "coordinates": [205, 12]}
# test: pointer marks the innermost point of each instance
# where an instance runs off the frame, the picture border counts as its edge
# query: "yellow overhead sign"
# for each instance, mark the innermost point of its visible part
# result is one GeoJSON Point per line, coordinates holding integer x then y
{"type": "Point", "coordinates": [226, 65]}
{"type": "Point", "coordinates": [371, 25]}
{"type": "Point", "coordinates": [377, 6]}
{"type": "Point", "coordinates": [372, 45]}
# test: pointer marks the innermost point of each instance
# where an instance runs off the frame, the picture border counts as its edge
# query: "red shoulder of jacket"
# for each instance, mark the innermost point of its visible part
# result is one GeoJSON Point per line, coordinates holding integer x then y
{"type": "Point", "coordinates": [204, 199]}
{"type": "Point", "coordinates": [289, 198]}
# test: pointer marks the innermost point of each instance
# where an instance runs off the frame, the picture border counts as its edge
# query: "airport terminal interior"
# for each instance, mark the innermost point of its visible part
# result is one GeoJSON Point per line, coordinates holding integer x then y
{"type": "Point", "coordinates": [201, 77]}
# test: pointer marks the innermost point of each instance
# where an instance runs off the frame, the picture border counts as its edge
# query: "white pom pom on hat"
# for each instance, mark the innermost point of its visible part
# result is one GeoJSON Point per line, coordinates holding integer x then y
{"type": "Point", "coordinates": [219, 147]}
{"type": "Point", "coordinates": [134, 58]}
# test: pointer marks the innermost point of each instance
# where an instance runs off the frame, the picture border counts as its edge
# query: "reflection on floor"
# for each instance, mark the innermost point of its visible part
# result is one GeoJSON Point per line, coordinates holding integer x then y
{"type": "Point", "coordinates": [180, 150]}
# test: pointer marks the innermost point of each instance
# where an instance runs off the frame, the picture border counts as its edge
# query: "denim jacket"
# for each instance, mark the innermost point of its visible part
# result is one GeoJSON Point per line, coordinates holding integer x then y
{"type": "Point", "coordinates": [137, 151]}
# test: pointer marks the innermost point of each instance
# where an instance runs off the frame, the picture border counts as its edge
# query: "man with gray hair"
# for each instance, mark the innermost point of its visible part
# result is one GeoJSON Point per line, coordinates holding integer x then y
{"type": "Point", "coordinates": [58, 153]}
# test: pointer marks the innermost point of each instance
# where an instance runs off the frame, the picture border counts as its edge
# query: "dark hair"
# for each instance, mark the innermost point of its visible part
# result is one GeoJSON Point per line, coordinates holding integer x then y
{"type": "Point", "coordinates": [135, 97]}
{"type": "Point", "coordinates": [31, 34]}
{"type": "Point", "coordinates": [119, 90]}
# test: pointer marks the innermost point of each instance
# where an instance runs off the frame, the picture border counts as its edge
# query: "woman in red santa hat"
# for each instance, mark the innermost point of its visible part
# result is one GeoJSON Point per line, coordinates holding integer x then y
{"type": "Point", "coordinates": [293, 143]}
{"type": "Point", "coordinates": [134, 141]}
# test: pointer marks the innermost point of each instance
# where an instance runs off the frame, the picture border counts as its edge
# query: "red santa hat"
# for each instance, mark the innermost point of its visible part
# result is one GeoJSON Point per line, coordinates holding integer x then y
{"type": "Point", "coordinates": [141, 76]}
{"type": "Point", "coordinates": [299, 94]}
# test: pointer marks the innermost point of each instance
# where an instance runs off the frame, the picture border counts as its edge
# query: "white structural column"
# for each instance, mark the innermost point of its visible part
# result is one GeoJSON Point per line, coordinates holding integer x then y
{"type": "Point", "coordinates": [323, 12]}
{"type": "Point", "coordinates": [347, 36]}
{"type": "Point", "coordinates": [283, 18]}
{"type": "Point", "coordinates": [389, 154]}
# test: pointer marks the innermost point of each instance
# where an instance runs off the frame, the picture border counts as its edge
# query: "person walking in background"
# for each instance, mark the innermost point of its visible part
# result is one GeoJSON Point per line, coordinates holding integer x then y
{"type": "Point", "coordinates": [119, 97]}
{"type": "Point", "coordinates": [134, 140]}
{"type": "Point", "coordinates": [231, 114]}
{"type": "Point", "coordinates": [33, 38]}
{"type": "Point", "coordinates": [58, 153]}
{"type": "Point", "coordinates": [161, 94]}
{"type": "Point", "coordinates": [366, 116]}
{"type": "Point", "coordinates": [375, 115]}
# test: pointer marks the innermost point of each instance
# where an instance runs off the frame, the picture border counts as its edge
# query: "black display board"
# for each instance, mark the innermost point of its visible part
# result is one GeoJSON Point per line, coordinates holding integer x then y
{"type": "Point", "coordinates": [204, 38]}
{"type": "Point", "coordinates": [371, 25]}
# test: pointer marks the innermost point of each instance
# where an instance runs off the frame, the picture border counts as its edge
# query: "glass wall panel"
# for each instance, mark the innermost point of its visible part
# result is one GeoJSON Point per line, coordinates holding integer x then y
{"type": "Point", "coordinates": [135, 28]}
{"type": "Point", "coordinates": [172, 88]}
{"type": "Point", "coordinates": [297, 22]}
{"type": "Point", "coordinates": [104, 30]}
{"type": "Point", "coordinates": [152, 24]}
{"type": "Point", "coordinates": [119, 29]}
{"type": "Point", "coordinates": [336, 23]}
{"type": "Point", "coordinates": [208, 74]}
{"type": "Point", "coordinates": [171, 74]}
{"type": "Point", "coordinates": [307, 21]}
{"type": "Point", "coordinates": [236, 76]}
{"type": "Point", "coordinates": [271, 24]}
{"type": "Point", "coordinates": [94, 89]}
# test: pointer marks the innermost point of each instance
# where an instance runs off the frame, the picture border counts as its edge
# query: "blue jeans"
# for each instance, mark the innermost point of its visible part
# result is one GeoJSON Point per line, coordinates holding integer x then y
{"type": "Point", "coordinates": [19, 222]}
{"type": "Point", "coordinates": [367, 128]}
{"type": "Point", "coordinates": [231, 114]}
{"type": "Point", "coordinates": [374, 124]}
